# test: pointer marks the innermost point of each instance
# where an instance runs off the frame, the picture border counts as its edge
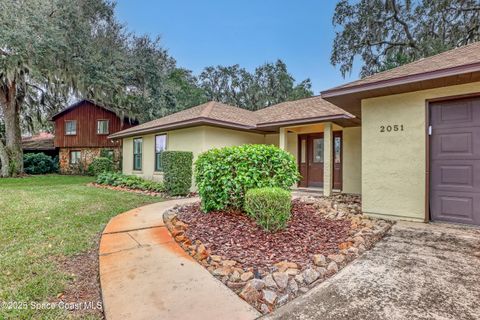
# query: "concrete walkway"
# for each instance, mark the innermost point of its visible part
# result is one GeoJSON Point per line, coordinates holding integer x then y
{"type": "Point", "coordinates": [144, 274]}
{"type": "Point", "coordinates": [419, 271]}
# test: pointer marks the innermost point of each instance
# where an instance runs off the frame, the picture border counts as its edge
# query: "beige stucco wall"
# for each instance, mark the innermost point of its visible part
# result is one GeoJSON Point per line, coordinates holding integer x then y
{"type": "Point", "coordinates": [272, 138]}
{"type": "Point", "coordinates": [219, 137]}
{"type": "Point", "coordinates": [203, 138]}
{"type": "Point", "coordinates": [394, 163]}
{"type": "Point", "coordinates": [196, 140]}
{"type": "Point", "coordinates": [352, 160]}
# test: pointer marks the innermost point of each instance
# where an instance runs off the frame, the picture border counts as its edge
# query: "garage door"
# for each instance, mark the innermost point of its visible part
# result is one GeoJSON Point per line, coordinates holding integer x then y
{"type": "Point", "coordinates": [455, 161]}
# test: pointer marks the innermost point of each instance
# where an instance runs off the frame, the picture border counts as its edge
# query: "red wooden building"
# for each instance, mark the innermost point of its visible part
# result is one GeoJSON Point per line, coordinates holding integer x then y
{"type": "Point", "coordinates": [81, 132]}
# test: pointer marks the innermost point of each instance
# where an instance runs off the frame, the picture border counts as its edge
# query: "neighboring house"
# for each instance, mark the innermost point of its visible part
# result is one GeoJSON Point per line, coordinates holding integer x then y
{"type": "Point", "coordinates": [407, 139]}
{"type": "Point", "coordinates": [81, 133]}
{"type": "Point", "coordinates": [40, 143]}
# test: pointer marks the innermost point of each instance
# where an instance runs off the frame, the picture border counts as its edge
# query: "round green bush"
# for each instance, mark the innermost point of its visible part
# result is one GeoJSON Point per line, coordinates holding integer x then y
{"type": "Point", "coordinates": [38, 163]}
{"type": "Point", "coordinates": [224, 175]}
{"type": "Point", "coordinates": [100, 165]}
{"type": "Point", "coordinates": [269, 207]}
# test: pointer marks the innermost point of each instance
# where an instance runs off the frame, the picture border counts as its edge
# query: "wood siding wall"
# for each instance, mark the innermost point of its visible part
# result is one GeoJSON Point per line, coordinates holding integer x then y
{"type": "Point", "coordinates": [86, 116]}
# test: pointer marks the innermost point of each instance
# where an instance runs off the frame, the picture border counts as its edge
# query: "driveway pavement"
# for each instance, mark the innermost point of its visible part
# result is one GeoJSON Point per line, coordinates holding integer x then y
{"type": "Point", "coordinates": [419, 271]}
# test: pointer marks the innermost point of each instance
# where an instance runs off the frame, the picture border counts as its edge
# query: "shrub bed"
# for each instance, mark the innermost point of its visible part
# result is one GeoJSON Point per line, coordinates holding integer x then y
{"type": "Point", "coordinates": [269, 207]}
{"type": "Point", "coordinates": [132, 182]}
{"type": "Point", "coordinates": [177, 169]}
{"type": "Point", "coordinates": [224, 175]}
{"type": "Point", "coordinates": [39, 163]}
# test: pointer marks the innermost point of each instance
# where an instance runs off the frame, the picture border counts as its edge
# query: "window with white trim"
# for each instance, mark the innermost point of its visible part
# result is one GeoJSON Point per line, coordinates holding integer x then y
{"type": "Point", "coordinates": [70, 127]}
{"type": "Point", "coordinates": [75, 157]}
{"type": "Point", "coordinates": [160, 146]}
{"type": "Point", "coordinates": [102, 126]}
{"type": "Point", "coordinates": [137, 153]}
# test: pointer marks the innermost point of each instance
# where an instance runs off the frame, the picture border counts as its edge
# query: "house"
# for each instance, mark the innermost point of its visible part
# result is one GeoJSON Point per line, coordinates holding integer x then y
{"type": "Point", "coordinates": [297, 126]}
{"type": "Point", "coordinates": [406, 139]}
{"type": "Point", "coordinates": [81, 133]}
{"type": "Point", "coordinates": [420, 128]}
{"type": "Point", "coordinates": [40, 143]}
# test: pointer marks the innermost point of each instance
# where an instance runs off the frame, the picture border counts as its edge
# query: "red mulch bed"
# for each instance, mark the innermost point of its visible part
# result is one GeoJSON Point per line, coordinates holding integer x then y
{"type": "Point", "coordinates": [235, 236]}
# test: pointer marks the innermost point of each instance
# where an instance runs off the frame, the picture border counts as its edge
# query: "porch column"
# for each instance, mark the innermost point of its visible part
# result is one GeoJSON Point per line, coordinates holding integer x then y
{"type": "Point", "coordinates": [327, 159]}
{"type": "Point", "coordinates": [283, 142]}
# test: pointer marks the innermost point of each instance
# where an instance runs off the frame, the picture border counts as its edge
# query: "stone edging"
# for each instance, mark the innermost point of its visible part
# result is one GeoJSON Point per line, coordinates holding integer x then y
{"type": "Point", "coordinates": [268, 291]}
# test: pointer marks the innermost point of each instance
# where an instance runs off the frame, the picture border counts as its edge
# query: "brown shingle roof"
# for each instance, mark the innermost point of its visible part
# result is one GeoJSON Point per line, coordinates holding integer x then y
{"type": "Point", "coordinates": [215, 113]}
{"type": "Point", "coordinates": [208, 113]}
{"type": "Point", "coordinates": [310, 109]}
{"type": "Point", "coordinates": [458, 57]}
{"type": "Point", "coordinates": [42, 141]}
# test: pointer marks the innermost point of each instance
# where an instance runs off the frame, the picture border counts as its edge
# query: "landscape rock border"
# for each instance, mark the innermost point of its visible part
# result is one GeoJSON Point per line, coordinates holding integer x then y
{"type": "Point", "coordinates": [268, 290]}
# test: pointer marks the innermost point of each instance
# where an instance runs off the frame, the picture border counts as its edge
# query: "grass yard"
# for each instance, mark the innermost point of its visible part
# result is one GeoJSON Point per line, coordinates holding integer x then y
{"type": "Point", "coordinates": [45, 221]}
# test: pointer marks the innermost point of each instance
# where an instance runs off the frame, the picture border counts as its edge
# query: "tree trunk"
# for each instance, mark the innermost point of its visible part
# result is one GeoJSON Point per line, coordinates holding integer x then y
{"type": "Point", "coordinates": [13, 139]}
{"type": "Point", "coordinates": [3, 160]}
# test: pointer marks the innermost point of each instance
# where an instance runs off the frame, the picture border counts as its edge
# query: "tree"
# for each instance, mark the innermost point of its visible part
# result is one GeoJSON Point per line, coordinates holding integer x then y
{"type": "Point", "coordinates": [269, 84]}
{"type": "Point", "coordinates": [53, 51]}
{"type": "Point", "coordinates": [43, 43]}
{"type": "Point", "coordinates": [183, 90]}
{"type": "Point", "coordinates": [389, 33]}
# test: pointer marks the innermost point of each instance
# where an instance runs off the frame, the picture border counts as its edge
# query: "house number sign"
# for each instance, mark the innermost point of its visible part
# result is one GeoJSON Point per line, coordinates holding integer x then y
{"type": "Point", "coordinates": [391, 128]}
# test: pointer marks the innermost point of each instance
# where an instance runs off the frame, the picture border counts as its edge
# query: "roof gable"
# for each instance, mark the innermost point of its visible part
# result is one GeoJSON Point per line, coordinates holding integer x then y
{"type": "Point", "coordinates": [81, 103]}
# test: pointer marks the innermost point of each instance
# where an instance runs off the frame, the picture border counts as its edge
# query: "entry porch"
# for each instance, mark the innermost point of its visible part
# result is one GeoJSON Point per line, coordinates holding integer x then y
{"type": "Point", "coordinates": [328, 156]}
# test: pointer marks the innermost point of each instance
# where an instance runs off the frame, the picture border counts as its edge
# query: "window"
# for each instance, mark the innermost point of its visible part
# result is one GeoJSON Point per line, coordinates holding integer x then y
{"type": "Point", "coordinates": [338, 150]}
{"type": "Point", "coordinates": [303, 151]}
{"type": "Point", "coordinates": [71, 127]}
{"type": "Point", "coordinates": [137, 154]}
{"type": "Point", "coordinates": [160, 146]}
{"type": "Point", "coordinates": [318, 150]}
{"type": "Point", "coordinates": [102, 126]}
{"type": "Point", "coordinates": [75, 157]}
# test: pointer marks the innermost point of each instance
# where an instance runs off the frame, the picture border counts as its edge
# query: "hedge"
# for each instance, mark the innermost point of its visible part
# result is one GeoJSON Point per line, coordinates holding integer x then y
{"type": "Point", "coordinates": [100, 165]}
{"type": "Point", "coordinates": [177, 170]}
{"type": "Point", "coordinates": [224, 175]}
{"type": "Point", "coordinates": [269, 207]}
{"type": "Point", "coordinates": [39, 163]}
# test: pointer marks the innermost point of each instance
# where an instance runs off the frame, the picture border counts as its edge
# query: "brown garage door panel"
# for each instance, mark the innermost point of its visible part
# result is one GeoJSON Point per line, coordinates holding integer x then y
{"type": "Point", "coordinates": [459, 176]}
{"type": "Point", "coordinates": [455, 143]}
{"type": "Point", "coordinates": [450, 206]}
{"type": "Point", "coordinates": [455, 161]}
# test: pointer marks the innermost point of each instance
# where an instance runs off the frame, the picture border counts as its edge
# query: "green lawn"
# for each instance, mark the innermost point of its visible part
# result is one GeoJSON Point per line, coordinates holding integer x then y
{"type": "Point", "coordinates": [42, 220]}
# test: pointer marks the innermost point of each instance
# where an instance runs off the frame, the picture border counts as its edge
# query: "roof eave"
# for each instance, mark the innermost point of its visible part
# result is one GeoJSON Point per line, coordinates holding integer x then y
{"type": "Point", "coordinates": [180, 125]}
{"type": "Point", "coordinates": [464, 69]}
{"type": "Point", "coordinates": [303, 121]}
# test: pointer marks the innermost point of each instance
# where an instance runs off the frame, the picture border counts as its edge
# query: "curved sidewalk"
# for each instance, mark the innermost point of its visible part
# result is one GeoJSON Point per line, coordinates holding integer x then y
{"type": "Point", "coordinates": [145, 274]}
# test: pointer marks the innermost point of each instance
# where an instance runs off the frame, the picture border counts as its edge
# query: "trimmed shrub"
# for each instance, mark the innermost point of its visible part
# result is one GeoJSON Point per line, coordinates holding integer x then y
{"type": "Point", "coordinates": [38, 163]}
{"type": "Point", "coordinates": [132, 182]}
{"type": "Point", "coordinates": [177, 170]}
{"type": "Point", "coordinates": [100, 165]}
{"type": "Point", "coordinates": [223, 176]}
{"type": "Point", "coordinates": [269, 207]}
{"type": "Point", "coordinates": [107, 153]}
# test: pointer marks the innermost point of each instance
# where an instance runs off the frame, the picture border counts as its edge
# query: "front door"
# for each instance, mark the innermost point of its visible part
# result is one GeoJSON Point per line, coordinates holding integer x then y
{"type": "Point", "coordinates": [315, 160]}
{"type": "Point", "coordinates": [455, 161]}
{"type": "Point", "coordinates": [310, 159]}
